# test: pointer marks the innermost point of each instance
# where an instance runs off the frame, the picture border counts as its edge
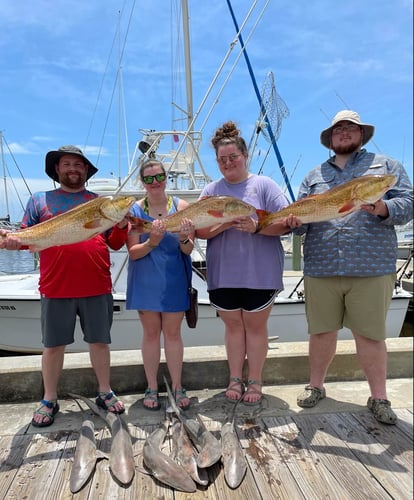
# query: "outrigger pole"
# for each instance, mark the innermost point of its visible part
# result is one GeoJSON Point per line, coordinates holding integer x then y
{"type": "Point", "coordinates": [262, 107]}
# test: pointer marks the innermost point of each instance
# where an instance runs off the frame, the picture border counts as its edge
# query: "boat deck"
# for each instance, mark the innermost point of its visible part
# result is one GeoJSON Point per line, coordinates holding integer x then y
{"type": "Point", "coordinates": [335, 450]}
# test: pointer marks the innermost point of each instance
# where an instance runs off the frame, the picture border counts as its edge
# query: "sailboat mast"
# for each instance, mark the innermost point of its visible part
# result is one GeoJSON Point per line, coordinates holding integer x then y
{"type": "Point", "coordinates": [4, 178]}
{"type": "Point", "coordinates": [187, 60]}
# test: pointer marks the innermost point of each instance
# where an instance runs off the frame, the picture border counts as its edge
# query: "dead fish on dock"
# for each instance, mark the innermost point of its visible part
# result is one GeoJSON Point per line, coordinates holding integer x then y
{"type": "Point", "coordinates": [183, 452]}
{"type": "Point", "coordinates": [121, 458]}
{"type": "Point", "coordinates": [335, 203]}
{"type": "Point", "coordinates": [161, 466]}
{"type": "Point", "coordinates": [210, 211]}
{"type": "Point", "coordinates": [208, 447]}
{"type": "Point", "coordinates": [234, 461]}
{"type": "Point", "coordinates": [78, 224]}
{"type": "Point", "coordinates": [86, 456]}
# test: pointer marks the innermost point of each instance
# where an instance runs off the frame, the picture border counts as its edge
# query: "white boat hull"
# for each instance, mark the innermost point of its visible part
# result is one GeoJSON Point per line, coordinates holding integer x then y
{"type": "Point", "coordinates": [20, 318]}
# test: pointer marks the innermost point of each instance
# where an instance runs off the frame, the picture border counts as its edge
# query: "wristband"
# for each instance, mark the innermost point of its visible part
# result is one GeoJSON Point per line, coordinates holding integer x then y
{"type": "Point", "coordinates": [184, 242]}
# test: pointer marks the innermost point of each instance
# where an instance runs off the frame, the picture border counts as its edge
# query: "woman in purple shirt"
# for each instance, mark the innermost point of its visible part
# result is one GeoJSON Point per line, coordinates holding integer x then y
{"type": "Point", "coordinates": [244, 267]}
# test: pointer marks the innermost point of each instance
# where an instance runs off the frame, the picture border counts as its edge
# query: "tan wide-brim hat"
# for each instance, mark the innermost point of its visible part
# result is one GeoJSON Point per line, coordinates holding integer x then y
{"type": "Point", "coordinates": [348, 116]}
{"type": "Point", "coordinates": [52, 158]}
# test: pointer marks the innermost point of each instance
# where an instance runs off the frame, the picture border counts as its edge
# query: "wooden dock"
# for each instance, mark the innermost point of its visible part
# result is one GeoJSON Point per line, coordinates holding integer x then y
{"type": "Point", "coordinates": [291, 455]}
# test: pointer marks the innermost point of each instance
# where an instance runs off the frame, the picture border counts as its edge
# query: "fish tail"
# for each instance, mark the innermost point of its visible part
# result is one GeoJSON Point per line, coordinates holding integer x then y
{"type": "Point", "coordinates": [261, 216]}
{"type": "Point", "coordinates": [138, 224]}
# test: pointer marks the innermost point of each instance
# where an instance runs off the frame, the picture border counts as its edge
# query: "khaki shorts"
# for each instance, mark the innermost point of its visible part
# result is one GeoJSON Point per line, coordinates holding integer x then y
{"type": "Point", "coordinates": [358, 303]}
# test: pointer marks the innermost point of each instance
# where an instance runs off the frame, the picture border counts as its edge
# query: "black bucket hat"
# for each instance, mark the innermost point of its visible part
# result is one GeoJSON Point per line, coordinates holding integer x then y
{"type": "Point", "coordinates": [52, 158]}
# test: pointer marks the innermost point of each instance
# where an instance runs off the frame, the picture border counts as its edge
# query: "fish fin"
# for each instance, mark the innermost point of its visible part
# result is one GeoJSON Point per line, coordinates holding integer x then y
{"type": "Point", "coordinates": [215, 213]}
{"type": "Point", "coordinates": [94, 223]}
{"type": "Point", "coordinates": [261, 216]}
{"type": "Point", "coordinates": [347, 207]}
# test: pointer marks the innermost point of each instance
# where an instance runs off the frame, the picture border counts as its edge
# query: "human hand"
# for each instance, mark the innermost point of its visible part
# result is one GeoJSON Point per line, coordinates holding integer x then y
{"type": "Point", "coordinates": [292, 221]}
{"type": "Point", "coordinates": [378, 208]}
{"type": "Point", "coordinates": [9, 242]}
{"type": "Point", "coordinates": [246, 224]}
{"type": "Point", "coordinates": [187, 229]}
{"type": "Point", "coordinates": [123, 223]}
{"type": "Point", "coordinates": [158, 230]}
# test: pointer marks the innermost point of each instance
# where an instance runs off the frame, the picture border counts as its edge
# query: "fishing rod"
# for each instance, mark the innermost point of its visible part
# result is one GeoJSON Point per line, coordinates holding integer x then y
{"type": "Point", "coordinates": [262, 107]}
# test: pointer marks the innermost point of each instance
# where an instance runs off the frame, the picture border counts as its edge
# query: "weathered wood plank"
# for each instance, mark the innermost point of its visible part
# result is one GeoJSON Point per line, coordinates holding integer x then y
{"type": "Point", "coordinates": [12, 451]}
{"type": "Point", "coordinates": [313, 478]}
{"type": "Point", "coordinates": [39, 467]}
{"type": "Point", "coordinates": [374, 454]}
{"type": "Point", "coordinates": [397, 443]}
{"type": "Point", "coordinates": [272, 476]}
{"type": "Point", "coordinates": [338, 458]}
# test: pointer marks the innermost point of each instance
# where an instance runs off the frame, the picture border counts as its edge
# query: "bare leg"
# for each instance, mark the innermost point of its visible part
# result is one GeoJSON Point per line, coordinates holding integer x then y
{"type": "Point", "coordinates": [52, 364]}
{"type": "Point", "coordinates": [100, 357]}
{"type": "Point", "coordinates": [256, 347]}
{"type": "Point", "coordinates": [173, 344]}
{"type": "Point", "coordinates": [372, 356]}
{"type": "Point", "coordinates": [174, 352]}
{"type": "Point", "coordinates": [151, 346]}
{"type": "Point", "coordinates": [235, 342]}
{"type": "Point", "coordinates": [322, 348]}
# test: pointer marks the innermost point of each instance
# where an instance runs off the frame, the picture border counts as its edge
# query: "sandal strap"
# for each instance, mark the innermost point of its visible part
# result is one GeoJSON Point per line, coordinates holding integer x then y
{"type": "Point", "coordinates": [252, 381]}
{"type": "Point", "coordinates": [106, 396]}
{"type": "Point", "coordinates": [151, 394]}
{"type": "Point", "coordinates": [49, 404]}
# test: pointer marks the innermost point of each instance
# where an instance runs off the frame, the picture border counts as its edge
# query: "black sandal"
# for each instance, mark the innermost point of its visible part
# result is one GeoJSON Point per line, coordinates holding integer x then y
{"type": "Point", "coordinates": [108, 400]}
{"type": "Point", "coordinates": [50, 415]}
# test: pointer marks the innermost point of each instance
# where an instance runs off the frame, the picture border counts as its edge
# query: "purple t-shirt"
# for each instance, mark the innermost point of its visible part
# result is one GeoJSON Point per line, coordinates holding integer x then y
{"type": "Point", "coordinates": [236, 259]}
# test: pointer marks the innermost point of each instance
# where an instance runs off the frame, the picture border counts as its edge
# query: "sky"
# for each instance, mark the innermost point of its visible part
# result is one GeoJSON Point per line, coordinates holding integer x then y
{"type": "Point", "coordinates": [60, 59]}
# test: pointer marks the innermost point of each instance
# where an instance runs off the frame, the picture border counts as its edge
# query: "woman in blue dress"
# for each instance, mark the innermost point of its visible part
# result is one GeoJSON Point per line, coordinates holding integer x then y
{"type": "Point", "coordinates": [157, 284]}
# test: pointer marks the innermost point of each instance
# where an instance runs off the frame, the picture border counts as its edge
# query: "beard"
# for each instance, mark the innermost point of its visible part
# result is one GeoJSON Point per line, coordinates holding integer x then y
{"type": "Point", "coordinates": [72, 180]}
{"type": "Point", "coordinates": [347, 149]}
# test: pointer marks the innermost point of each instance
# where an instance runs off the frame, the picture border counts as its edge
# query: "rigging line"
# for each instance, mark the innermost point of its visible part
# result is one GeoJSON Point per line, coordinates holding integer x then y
{"type": "Point", "coordinates": [116, 78]}
{"type": "Point", "coordinates": [17, 166]}
{"type": "Point", "coordinates": [233, 67]}
{"type": "Point", "coordinates": [219, 70]}
{"type": "Point", "coordinates": [271, 135]}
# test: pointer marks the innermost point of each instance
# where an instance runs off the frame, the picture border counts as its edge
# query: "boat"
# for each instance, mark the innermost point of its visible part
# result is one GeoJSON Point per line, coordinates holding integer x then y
{"type": "Point", "coordinates": [20, 314]}
{"type": "Point", "coordinates": [19, 296]}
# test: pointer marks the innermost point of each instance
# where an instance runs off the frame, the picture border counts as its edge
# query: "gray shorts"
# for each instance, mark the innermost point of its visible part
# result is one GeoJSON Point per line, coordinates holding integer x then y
{"type": "Point", "coordinates": [58, 319]}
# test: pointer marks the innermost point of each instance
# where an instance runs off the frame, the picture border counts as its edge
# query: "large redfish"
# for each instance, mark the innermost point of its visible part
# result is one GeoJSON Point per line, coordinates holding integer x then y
{"type": "Point", "coordinates": [211, 211]}
{"type": "Point", "coordinates": [78, 224]}
{"type": "Point", "coordinates": [334, 203]}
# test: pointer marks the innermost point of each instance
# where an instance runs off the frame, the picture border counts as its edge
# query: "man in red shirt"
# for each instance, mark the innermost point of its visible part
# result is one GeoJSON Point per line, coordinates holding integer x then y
{"type": "Point", "coordinates": [75, 280]}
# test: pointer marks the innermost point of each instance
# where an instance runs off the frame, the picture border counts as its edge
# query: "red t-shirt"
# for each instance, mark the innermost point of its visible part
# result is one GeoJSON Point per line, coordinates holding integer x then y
{"type": "Point", "coordinates": [78, 270]}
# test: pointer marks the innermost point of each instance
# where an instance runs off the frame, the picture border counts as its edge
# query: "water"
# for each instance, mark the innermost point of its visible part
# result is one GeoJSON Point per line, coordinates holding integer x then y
{"type": "Point", "coordinates": [16, 261]}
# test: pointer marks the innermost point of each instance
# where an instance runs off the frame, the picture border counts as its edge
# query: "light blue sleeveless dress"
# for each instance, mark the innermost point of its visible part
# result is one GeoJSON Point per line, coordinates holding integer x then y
{"type": "Point", "coordinates": [158, 281]}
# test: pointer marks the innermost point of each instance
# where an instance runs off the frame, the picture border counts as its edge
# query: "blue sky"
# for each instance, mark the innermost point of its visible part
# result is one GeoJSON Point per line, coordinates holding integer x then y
{"type": "Point", "coordinates": [57, 78]}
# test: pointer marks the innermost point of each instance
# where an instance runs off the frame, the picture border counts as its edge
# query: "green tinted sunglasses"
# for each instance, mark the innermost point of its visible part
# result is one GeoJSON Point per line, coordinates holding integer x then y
{"type": "Point", "coordinates": [149, 179]}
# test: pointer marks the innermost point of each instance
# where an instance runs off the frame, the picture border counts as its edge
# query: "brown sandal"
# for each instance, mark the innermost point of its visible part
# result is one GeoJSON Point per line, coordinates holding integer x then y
{"type": "Point", "coordinates": [252, 390]}
{"type": "Point", "coordinates": [236, 386]}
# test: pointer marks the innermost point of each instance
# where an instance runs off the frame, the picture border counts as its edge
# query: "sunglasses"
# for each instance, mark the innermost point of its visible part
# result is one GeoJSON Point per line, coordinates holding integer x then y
{"type": "Point", "coordinates": [149, 179]}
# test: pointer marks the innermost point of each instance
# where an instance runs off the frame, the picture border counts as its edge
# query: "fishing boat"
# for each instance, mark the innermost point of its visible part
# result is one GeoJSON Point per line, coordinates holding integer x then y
{"type": "Point", "coordinates": [19, 296]}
